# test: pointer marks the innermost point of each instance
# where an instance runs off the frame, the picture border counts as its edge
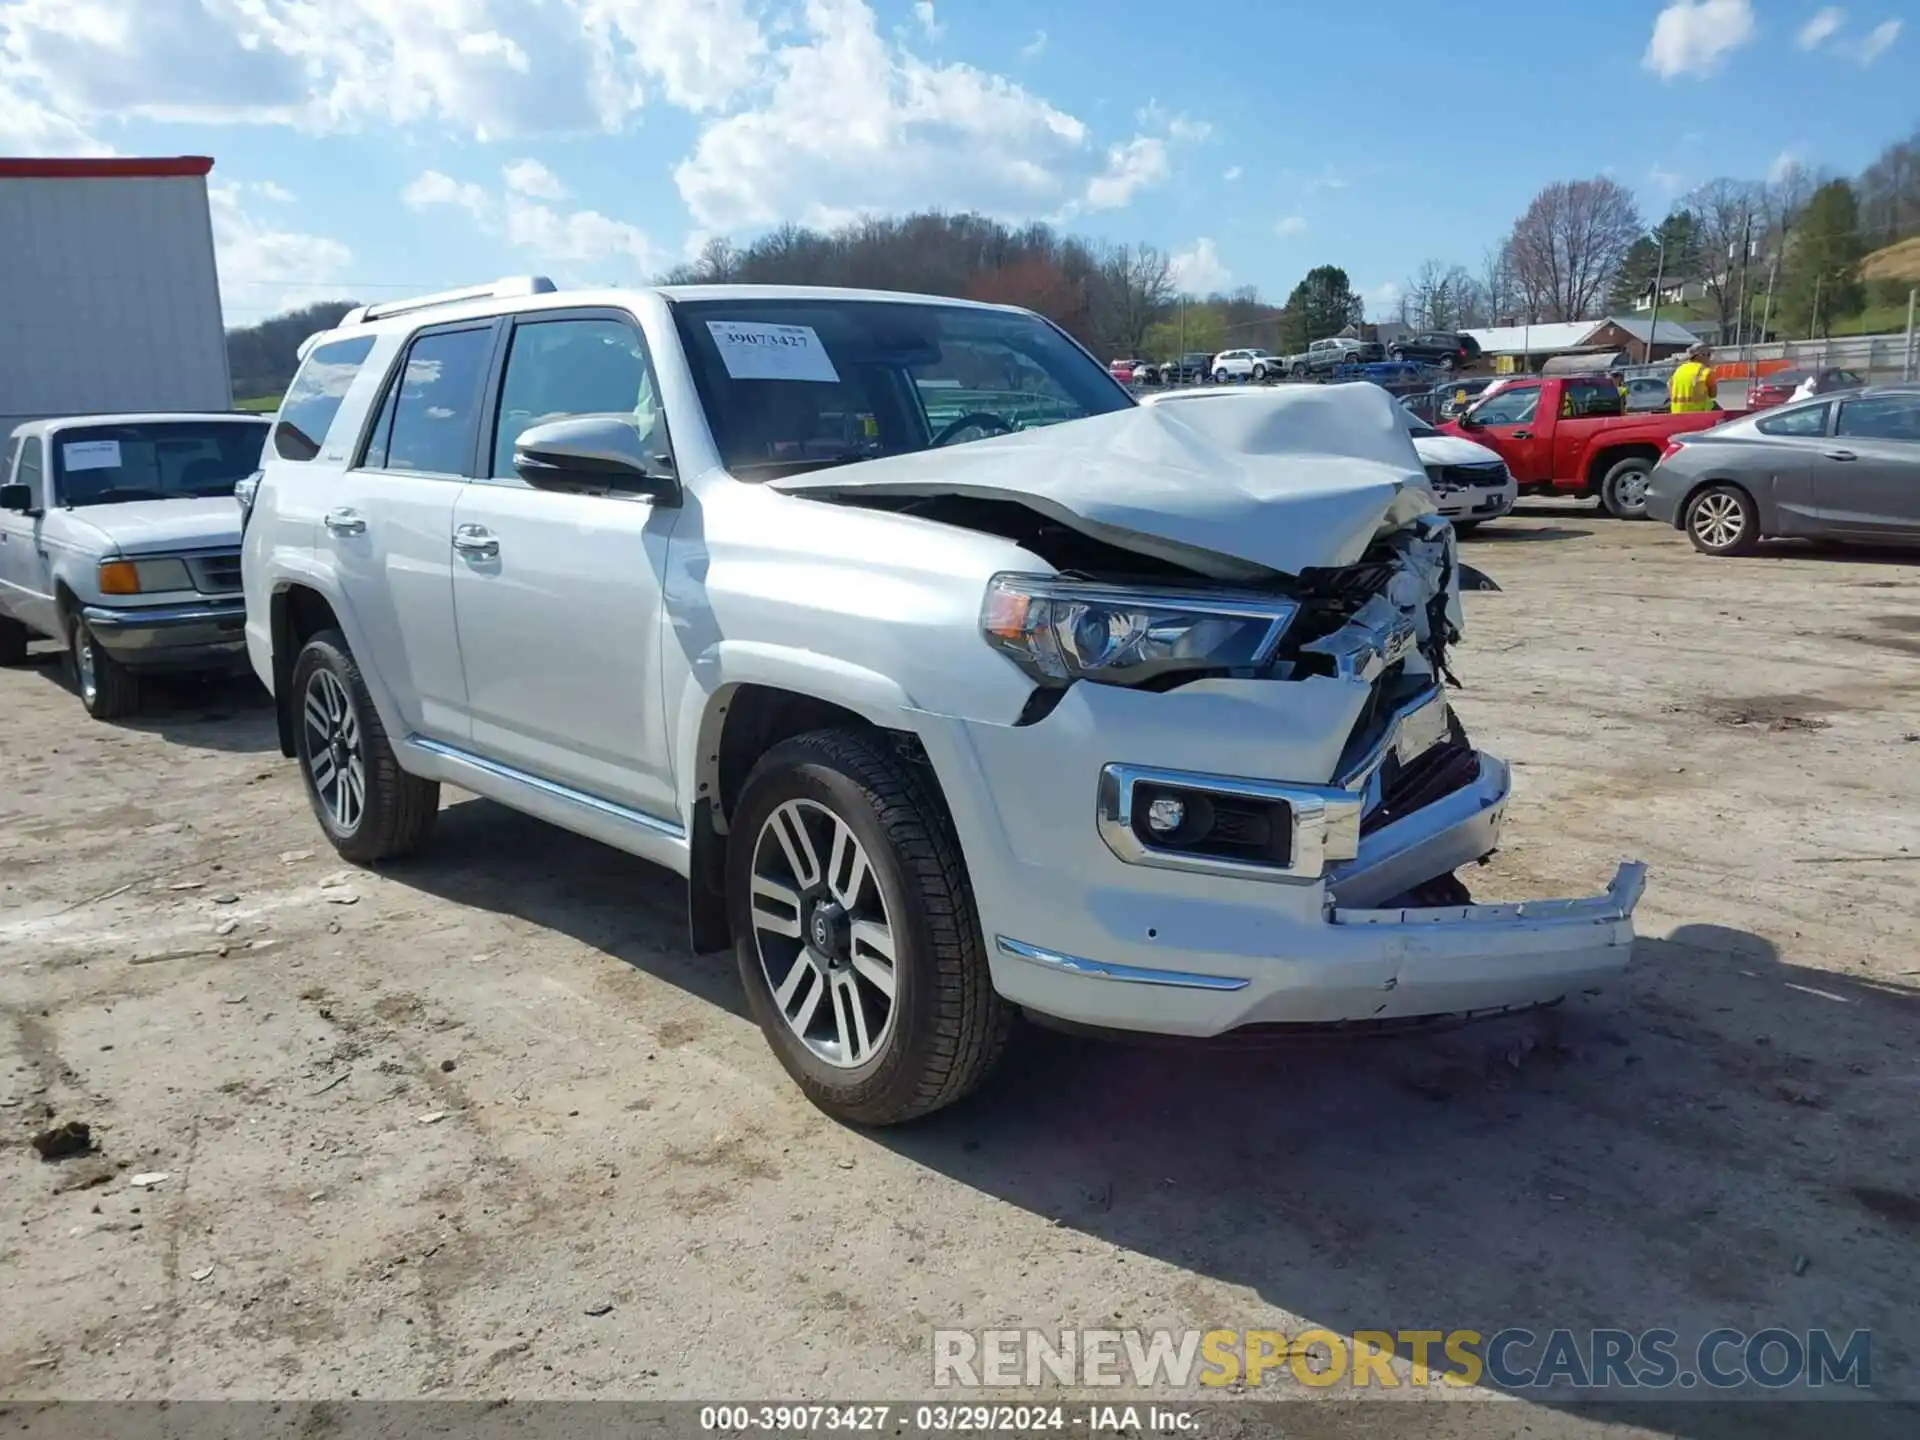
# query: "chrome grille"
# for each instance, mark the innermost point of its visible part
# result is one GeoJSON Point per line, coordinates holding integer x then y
{"type": "Point", "coordinates": [1466, 477]}
{"type": "Point", "coordinates": [215, 574]}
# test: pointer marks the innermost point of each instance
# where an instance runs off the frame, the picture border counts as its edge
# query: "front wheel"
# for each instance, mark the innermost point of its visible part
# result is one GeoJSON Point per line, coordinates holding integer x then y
{"type": "Point", "coordinates": [1723, 520]}
{"type": "Point", "coordinates": [1623, 493]}
{"type": "Point", "coordinates": [369, 807]}
{"type": "Point", "coordinates": [107, 688]}
{"type": "Point", "coordinates": [857, 937]}
{"type": "Point", "coordinates": [1220, 377]}
{"type": "Point", "coordinates": [1259, 374]}
{"type": "Point", "coordinates": [1299, 372]}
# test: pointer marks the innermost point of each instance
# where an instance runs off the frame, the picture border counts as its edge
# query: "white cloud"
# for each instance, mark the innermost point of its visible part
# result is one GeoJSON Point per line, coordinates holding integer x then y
{"type": "Point", "coordinates": [1820, 29]}
{"type": "Point", "coordinates": [530, 177]}
{"type": "Point", "coordinates": [852, 124]}
{"type": "Point", "coordinates": [579, 244]}
{"type": "Point", "coordinates": [923, 12]}
{"type": "Point", "coordinates": [1200, 271]}
{"type": "Point", "coordinates": [274, 191]}
{"type": "Point", "coordinates": [1035, 47]}
{"type": "Point", "coordinates": [28, 127]}
{"type": "Point", "coordinates": [1383, 300]}
{"type": "Point", "coordinates": [1233, 172]}
{"type": "Point", "coordinates": [1668, 182]}
{"type": "Point", "coordinates": [263, 270]}
{"type": "Point", "coordinates": [1291, 225]}
{"type": "Point", "coordinates": [1784, 164]}
{"type": "Point", "coordinates": [1878, 41]}
{"type": "Point", "coordinates": [1694, 37]}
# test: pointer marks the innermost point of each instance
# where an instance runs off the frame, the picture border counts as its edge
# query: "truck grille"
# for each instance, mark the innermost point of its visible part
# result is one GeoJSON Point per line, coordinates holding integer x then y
{"type": "Point", "coordinates": [1439, 772]}
{"type": "Point", "coordinates": [215, 574]}
{"type": "Point", "coordinates": [1467, 477]}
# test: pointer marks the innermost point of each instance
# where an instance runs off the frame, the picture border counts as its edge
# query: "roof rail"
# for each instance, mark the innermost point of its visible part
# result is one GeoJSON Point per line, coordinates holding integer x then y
{"type": "Point", "coordinates": [504, 288]}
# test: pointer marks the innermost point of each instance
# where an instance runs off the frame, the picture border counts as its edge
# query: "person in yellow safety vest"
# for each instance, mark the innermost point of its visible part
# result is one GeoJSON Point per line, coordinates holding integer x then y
{"type": "Point", "coordinates": [1691, 390]}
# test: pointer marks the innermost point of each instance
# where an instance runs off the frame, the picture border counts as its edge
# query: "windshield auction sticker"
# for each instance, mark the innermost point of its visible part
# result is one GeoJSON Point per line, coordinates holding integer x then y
{"type": "Point", "coordinates": [91, 455]}
{"type": "Point", "coordinates": [772, 352]}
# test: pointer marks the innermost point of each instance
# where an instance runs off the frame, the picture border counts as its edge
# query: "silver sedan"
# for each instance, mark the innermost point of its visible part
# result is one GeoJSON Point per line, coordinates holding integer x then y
{"type": "Point", "coordinates": [1844, 466]}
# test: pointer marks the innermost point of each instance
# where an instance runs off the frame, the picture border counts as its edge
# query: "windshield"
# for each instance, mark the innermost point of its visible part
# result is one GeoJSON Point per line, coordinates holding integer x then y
{"type": "Point", "coordinates": [1415, 425]}
{"type": "Point", "coordinates": [802, 384]}
{"type": "Point", "coordinates": [155, 459]}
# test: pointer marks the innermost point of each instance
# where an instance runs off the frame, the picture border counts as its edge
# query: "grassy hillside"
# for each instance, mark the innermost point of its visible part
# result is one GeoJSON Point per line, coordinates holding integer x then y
{"type": "Point", "coordinates": [259, 405]}
{"type": "Point", "coordinates": [1899, 261]}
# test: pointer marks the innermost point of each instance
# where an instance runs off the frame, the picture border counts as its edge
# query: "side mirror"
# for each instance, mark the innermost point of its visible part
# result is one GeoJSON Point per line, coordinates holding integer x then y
{"type": "Point", "coordinates": [17, 498]}
{"type": "Point", "coordinates": [1464, 419]}
{"type": "Point", "coordinates": [595, 455]}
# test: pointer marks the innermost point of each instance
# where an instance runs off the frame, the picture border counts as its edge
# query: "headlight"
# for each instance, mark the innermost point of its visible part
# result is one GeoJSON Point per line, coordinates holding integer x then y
{"type": "Point", "coordinates": [143, 577]}
{"type": "Point", "coordinates": [1059, 631]}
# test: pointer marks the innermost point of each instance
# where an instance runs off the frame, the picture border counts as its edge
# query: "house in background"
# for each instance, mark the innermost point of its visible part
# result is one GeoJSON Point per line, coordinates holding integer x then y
{"type": "Point", "coordinates": [1514, 349]}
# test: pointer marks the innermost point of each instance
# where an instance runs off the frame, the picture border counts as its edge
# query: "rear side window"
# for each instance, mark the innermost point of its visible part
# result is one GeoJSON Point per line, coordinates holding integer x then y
{"type": "Point", "coordinates": [427, 422]}
{"type": "Point", "coordinates": [1585, 399]}
{"type": "Point", "coordinates": [1805, 422]}
{"type": "Point", "coordinates": [314, 397]}
{"type": "Point", "coordinates": [1881, 417]}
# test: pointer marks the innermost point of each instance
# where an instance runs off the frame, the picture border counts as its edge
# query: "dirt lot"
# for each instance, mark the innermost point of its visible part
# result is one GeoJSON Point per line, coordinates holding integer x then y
{"type": "Point", "coordinates": [419, 1127]}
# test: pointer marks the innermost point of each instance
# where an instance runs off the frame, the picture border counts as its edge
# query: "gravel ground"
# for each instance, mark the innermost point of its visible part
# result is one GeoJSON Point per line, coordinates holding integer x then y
{"type": "Point", "coordinates": [479, 1125]}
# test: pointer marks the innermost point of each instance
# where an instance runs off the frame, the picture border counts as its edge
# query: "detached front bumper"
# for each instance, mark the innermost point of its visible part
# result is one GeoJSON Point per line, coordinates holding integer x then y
{"type": "Point", "coordinates": [208, 634]}
{"type": "Point", "coordinates": [1076, 932]}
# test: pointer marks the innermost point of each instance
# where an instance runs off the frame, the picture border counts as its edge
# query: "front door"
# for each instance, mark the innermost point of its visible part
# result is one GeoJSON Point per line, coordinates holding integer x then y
{"type": "Point", "coordinates": [388, 525]}
{"type": "Point", "coordinates": [26, 570]}
{"type": "Point", "coordinates": [558, 594]}
{"type": "Point", "coordinates": [1866, 478]}
{"type": "Point", "coordinates": [1507, 424]}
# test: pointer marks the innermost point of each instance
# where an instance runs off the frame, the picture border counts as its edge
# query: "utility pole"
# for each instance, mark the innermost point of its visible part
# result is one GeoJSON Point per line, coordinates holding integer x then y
{"type": "Point", "coordinates": [1814, 328]}
{"type": "Point", "coordinates": [1766, 310]}
{"type": "Point", "coordinates": [1906, 365]}
{"type": "Point", "coordinates": [1659, 276]}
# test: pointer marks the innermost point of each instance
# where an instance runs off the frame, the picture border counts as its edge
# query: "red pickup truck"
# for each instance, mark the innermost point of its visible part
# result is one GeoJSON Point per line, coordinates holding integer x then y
{"type": "Point", "coordinates": [1567, 436]}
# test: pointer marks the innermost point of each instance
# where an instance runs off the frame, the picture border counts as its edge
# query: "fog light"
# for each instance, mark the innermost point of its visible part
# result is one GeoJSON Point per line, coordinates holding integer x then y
{"type": "Point", "coordinates": [1165, 815]}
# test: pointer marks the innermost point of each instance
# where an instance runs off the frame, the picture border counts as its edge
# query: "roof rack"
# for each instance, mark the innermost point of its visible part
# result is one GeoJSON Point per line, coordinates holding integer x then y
{"type": "Point", "coordinates": [507, 287]}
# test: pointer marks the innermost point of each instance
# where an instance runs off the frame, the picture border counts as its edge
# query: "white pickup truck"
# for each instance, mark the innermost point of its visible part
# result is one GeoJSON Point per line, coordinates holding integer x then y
{"type": "Point", "coordinates": [119, 535]}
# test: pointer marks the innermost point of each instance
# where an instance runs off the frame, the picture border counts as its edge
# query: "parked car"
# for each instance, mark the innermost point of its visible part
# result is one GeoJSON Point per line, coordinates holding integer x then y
{"type": "Point", "coordinates": [691, 571]}
{"type": "Point", "coordinates": [1134, 372]}
{"type": "Point", "coordinates": [1647, 394]}
{"type": "Point", "coordinates": [1448, 349]}
{"type": "Point", "coordinates": [1567, 435]}
{"type": "Point", "coordinates": [1470, 482]}
{"type": "Point", "coordinates": [1256, 365]}
{"type": "Point", "coordinates": [1457, 394]}
{"type": "Point", "coordinates": [1322, 357]}
{"type": "Point", "coordinates": [1189, 369]}
{"type": "Point", "coordinates": [1781, 386]}
{"type": "Point", "coordinates": [1843, 466]}
{"type": "Point", "coordinates": [119, 536]}
{"type": "Point", "coordinates": [1423, 405]}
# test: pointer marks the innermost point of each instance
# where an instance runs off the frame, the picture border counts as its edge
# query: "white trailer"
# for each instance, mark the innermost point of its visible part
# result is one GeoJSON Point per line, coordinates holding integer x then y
{"type": "Point", "coordinates": [109, 295]}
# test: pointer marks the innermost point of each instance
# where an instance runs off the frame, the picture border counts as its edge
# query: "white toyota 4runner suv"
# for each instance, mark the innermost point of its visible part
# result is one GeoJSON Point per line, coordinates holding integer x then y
{"type": "Point", "coordinates": [955, 682]}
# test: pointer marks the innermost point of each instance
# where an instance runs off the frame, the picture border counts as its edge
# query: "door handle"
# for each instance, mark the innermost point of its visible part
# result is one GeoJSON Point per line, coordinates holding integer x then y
{"type": "Point", "coordinates": [476, 541]}
{"type": "Point", "coordinates": [1523, 434]}
{"type": "Point", "coordinates": [1841, 455]}
{"type": "Point", "coordinates": [345, 522]}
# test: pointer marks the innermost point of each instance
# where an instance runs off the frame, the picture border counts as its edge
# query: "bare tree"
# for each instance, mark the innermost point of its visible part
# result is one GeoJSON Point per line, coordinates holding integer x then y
{"type": "Point", "coordinates": [1132, 284]}
{"type": "Point", "coordinates": [1569, 243]}
{"type": "Point", "coordinates": [1440, 296]}
{"type": "Point", "coordinates": [1498, 288]}
{"type": "Point", "coordinates": [1725, 213]}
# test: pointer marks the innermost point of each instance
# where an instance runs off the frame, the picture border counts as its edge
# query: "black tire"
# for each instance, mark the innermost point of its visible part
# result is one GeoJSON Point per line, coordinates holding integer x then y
{"type": "Point", "coordinates": [13, 640]}
{"type": "Point", "coordinates": [1739, 536]}
{"type": "Point", "coordinates": [107, 688]}
{"type": "Point", "coordinates": [1220, 377]}
{"type": "Point", "coordinates": [1447, 363]}
{"type": "Point", "coordinates": [1396, 354]}
{"type": "Point", "coordinates": [397, 811]}
{"type": "Point", "coordinates": [1299, 372]}
{"type": "Point", "coordinates": [1259, 374]}
{"type": "Point", "coordinates": [948, 1025]}
{"type": "Point", "coordinates": [1618, 497]}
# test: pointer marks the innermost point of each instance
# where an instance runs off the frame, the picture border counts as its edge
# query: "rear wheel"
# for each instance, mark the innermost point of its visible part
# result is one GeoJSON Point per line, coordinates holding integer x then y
{"type": "Point", "coordinates": [1220, 377]}
{"type": "Point", "coordinates": [13, 640]}
{"type": "Point", "coordinates": [1623, 493]}
{"type": "Point", "coordinates": [107, 688]}
{"type": "Point", "coordinates": [1723, 520]}
{"type": "Point", "coordinates": [1299, 372]}
{"type": "Point", "coordinates": [370, 808]}
{"type": "Point", "coordinates": [859, 944]}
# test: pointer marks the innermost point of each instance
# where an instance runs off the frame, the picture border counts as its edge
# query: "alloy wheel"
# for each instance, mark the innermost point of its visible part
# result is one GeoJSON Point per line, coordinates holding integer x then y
{"type": "Point", "coordinates": [336, 761]}
{"type": "Point", "coordinates": [1718, 521]}
{"type": "Point", "coordinates": [86, 665]}
{"type": "Point", "coordinates": [1630, 492]}
{"type": "Point", "coordinates": [823, 934]}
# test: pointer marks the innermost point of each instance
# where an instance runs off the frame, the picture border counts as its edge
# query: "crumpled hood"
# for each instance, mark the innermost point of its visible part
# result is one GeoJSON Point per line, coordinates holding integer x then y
{"type": "Point", "coordinates": [1453, 450]}
{"type": "Point", "coordinates": [1233, 486]}
{"type": "Point", "coordinates": [147, 527]}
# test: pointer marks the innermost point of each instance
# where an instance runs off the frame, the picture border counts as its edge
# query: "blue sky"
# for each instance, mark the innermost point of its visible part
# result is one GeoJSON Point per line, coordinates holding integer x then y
{"type": "Point", "coordinates": [370, 147]}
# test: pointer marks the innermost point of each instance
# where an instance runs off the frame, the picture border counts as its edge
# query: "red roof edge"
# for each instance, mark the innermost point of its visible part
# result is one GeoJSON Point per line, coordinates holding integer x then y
{"type": "Point", "coordinates": [106, 167]}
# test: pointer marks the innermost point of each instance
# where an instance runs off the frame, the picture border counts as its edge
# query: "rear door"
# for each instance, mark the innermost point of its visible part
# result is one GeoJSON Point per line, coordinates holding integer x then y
{"type": "Point", "coordinates": [559, 595]}
{"type": "Point", "coordinates": [1867, 476]}
{"type": "Point", "coordinates": [388, 526]}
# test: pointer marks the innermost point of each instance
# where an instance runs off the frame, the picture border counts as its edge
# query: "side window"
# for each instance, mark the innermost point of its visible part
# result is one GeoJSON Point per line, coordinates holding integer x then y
{"type": "Point", "coordinates": [436, 398]}
{"type": "Point", "coordinates": [1881, 417]}
{"type": "Point", "coordinates": [29, 473]}
{"type": "Point", "coordinates": [590, 365]}
{"type": "Point", "coordinates": [1509, 407]}
{"type": "Point", "coordinates": [1808, 423]}
{"type": "Point", "coordinates": [1585, 399]}
{"type": "Point", "coordinates": [314, 397]}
